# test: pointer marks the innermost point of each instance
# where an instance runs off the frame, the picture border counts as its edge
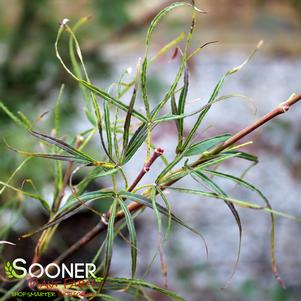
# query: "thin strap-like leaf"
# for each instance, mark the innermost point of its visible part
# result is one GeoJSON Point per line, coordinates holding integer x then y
{"type": "Point", "coordinates": [214, 95]}
{"type": "Point", "coordinates": [91, 87]}
{"type": "Point", "coordinates": [13, 116]}
{"type": "Point", "coordinates": [249, 186]}
{"type": "Point", "coordinates": [34, 196]}
{"type": "Point", "coordinates": [240, 203]}
{"type": "Point", "coordinates": [205, 145]}
{"type": "Point", "coordinates": [121, 283]}
{"type": "Point", "coordinates": [148, 203]}
{"type": "Point", "coordinates": [109, 241]}
{"type": "Point", "coordinates": [61, 144]}
{"type": "Point", "coordinates": [181, 106]}
{"type": "Point", "coordinates": [199, 175]}
{"type": "Point", "coordinates": [127, 122]}
{"type": "Point", "coordinates": [132, 233]}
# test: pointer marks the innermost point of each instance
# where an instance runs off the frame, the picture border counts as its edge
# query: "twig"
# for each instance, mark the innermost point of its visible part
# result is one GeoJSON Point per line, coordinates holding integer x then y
{"type": "Point", "coordinates": [280, 109]}
{"type": "Point", "coordinates": [157, 153]}
{"type": "Point", "coordinates": [102, 226]}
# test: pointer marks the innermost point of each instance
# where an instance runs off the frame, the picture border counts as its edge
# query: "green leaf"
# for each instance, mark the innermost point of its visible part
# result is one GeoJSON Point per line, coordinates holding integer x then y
{"type": "Point", "coordinates": [25, 119]}
{"type": "Point", "coordinates": [34, 196]}
{"type": "Point", "coordinates": [93, 98]}
{"type": "Point", "coordinates": [13, 116]}
{"type": "Point", "coordinates": [241, 203]}
{"type": "Point", "coordinates": [243, 155]}
{"type": "Point", "coordinates": [77, 156]}
{"type": "Point", "coordinates": [181, 106]}
{"type": "Point", "coordinates": [61, 144]}
{"type": "Point", "coordinates": [213, 97]}
{"type": "Point", "coordinates": [110, 239]}
{"type": "Point", "coordinates": [132, 232]}
{"type": "Point", "coordinates": [115, 136]}
{"type": "Point", "coordinates": [169, 167]}
{"type": "Point", "coordinates": [71, 208]}
{"type": "Point", "coordinates": [58, 172]}
{"type": "Point", "coordinates": [14, 173]}
{"type": "Point", "coordinates": [148, 203]}
{"type": "Point", "coordinates": [149, 34]}
{"type": "Point", "coordinates": [205, 145]}
{"type": "Point", "coordinates": [77, 70]}
{"type": "Point", "coordinates": [135, 142]}
{"type": "Point", "coordinates": [251, 187]}
{"type": "Point", "coordinates": [112, 100]}
{"type": "Point", "coordinates": [127, 122]}
{"type": "Point", "coordinates": [203, 113]}
{"type": "Point", "coordinates": [167, 205]}
{"type": "Point", "coordinates": [123, 283]}
{"type": "Point", "coordinates": [174, 85]}
{"type": "Point", "coordinates": [155, 208]}
{"type": "Point", "coordinates": [53, 156]}
{"type": "Point", "coordinates": [87, 83]}
{"type": "Point", "coordinates": [168, 46]}
{"type": "Point", "coordinates": [108, 128]}
{"type": "Point", "coordinates": [212, 185]}
{"type": "Point", "coordinates": [216, 159]}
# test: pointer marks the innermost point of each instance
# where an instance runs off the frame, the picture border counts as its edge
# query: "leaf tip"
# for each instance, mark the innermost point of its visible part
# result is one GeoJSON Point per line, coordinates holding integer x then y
{"type": "Point", "coordinates": [64, 22]}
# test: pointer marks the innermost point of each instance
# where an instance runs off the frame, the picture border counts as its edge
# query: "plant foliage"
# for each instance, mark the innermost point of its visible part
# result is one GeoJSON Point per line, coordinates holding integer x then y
{"type": "Point", "coordinates": [123, 129]}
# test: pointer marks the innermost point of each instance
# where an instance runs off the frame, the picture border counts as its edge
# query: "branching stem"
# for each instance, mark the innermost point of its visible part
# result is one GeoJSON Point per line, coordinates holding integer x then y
{"type": "Point", "coordinates": [101, 226]}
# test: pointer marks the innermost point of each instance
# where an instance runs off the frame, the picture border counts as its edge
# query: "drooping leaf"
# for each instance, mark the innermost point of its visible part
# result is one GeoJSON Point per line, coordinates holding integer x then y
{"type": "Point", "coordinates": [213, 97]}
{"type": "Point", "coordinates": [86, 83]}
{"type": "Point", "coordinates": [77, 70]}
{"type": "Point", "coordinates": [148, 203]}
{"type": "Point", "coordinates": [87, 79]}
{"type": "Point", "coordinates": [145, 63]}
{"type": "Point", "coordinates": [251, 187]}
{"type": "Point", "coordinates": [198, 175]}
{"type": "Point", "coordinates": [182, 67]}
{"type": "Point", "coordinates": [240, 203]}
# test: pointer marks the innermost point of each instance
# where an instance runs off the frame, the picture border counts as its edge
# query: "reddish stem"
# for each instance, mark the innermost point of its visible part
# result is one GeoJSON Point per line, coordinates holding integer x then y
{"type": "Point", "coordinates": [157, 153]}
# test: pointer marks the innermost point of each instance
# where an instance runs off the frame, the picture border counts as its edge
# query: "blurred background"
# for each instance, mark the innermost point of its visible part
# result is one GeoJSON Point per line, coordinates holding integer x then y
{"type": "Point", "coordinates": [113, 40]}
